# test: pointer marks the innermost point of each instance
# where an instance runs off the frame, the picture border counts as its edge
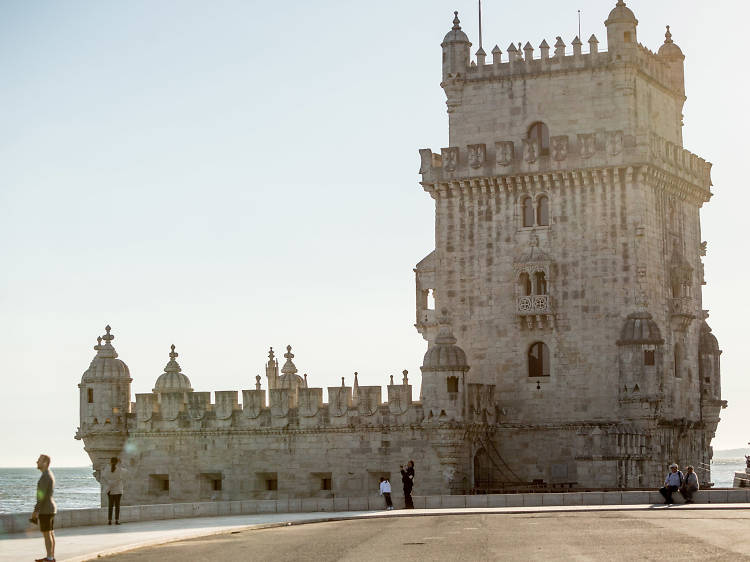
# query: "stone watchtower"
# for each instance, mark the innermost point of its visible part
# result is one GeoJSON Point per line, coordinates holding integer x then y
{"type": "Point", "coordinates": [104, 404]}
{"type": "Point", "coordinates": [568, 254]}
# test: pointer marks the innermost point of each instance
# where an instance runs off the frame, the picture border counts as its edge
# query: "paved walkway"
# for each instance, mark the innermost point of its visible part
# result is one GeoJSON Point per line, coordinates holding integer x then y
{"type": "Point", "coordinates": [77, 544]}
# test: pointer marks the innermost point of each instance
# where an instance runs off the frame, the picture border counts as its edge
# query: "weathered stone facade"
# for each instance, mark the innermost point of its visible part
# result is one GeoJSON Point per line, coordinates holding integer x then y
{"type": "Point", "coordinates": [568, 253]}
{"type": "Point", "coordinates": [568, 265]}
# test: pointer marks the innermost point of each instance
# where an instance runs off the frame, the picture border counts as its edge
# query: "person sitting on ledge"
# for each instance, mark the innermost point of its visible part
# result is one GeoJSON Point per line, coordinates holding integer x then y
{"type": "Point", "coordinates": [672, 483]}
{"type": "Point", "coordinates": [690, 485]}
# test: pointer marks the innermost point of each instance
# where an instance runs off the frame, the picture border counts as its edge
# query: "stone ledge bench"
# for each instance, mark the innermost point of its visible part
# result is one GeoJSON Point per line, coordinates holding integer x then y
{"type": "Point", "coordinates": [19, 522]}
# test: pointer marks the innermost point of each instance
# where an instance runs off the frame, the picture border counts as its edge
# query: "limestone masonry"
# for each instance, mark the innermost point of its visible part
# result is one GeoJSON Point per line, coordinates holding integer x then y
{"type": "Point", "coordinates": [567, 343]}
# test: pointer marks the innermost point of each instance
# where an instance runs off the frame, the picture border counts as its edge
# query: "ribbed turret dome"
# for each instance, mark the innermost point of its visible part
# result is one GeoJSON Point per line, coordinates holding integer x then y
{"type": "Point", "coordinates": [444, 354]}
{"type": "Point", "coordinates": [173, 379]}
{"type": "Point", "coordinates": [621, 14]}
{"type": "Point", "coordinates": [640, 328]}
{"type": "Point", "coordinates": [670, 48]}
{"type": "Point", "coordinates": [708, 342]}
{"type": "Point", "coordinates": [455, 35]}
{"type": "Point", "coordinates": [289, 377]}
{"type": "Point", "coordinates": [105, 365]}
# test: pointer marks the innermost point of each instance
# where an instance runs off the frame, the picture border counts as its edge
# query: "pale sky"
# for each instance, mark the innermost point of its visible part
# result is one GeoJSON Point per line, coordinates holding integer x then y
{"type": "Point", "coordinates": [229, 176]}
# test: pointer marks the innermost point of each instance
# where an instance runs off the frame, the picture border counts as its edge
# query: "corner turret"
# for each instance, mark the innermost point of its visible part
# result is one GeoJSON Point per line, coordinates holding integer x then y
{"type": "Point", "coordinates": [444, 369]}
{"type": "Point", "coordinates": [456, 52]}
{"type": "Point", "coordinates": [621, 30]}
{"type": "Point", "coordinates": [104, 404]}
{"type": "Point", "coordinates": [674, 60]}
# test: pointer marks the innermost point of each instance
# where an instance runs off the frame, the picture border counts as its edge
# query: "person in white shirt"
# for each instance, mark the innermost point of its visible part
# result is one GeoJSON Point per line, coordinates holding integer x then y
{"type": "Point", "coordinates": [385, 491]}
{"type": "Point", "coordinates": [672, 483]}
{"type": "Point", "coordinates": [112, 484]}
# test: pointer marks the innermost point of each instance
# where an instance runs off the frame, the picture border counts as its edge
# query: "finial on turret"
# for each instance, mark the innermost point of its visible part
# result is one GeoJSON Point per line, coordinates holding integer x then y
{"type": "Point", "coordinates": [342, 382]}
{"type": "Point", "coordinates": [668, 36]}
{"type": "Point", "coordinates": [406, 376]}
{"type": "Point", "coordinates": [289, 367]}
{"type": "Point", "coordinates": [108, 337]}
{"type": "Point", "coordinates": [270, 354]}
{"type": "Point", "coordinates": [173, 366]}
{"type": "Point", "coordinates": [305, 377]}
{"type": "Point", "coordinates": [456, 21]}
{"type": "Point", "coordinates": [98, 345]}
{"type": "Point", "coordinates": [620, 3]}
{"type": "Point", "coordinates": [356, 380]}
{"type": "Point", "coordinates": [257, 382]}
{"type": "Point", "coordinates": [391, 380]}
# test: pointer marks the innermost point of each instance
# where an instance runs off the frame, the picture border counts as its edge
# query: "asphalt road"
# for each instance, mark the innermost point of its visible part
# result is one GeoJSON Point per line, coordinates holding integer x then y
{"type": "Point", "coordinates": [611, 536]}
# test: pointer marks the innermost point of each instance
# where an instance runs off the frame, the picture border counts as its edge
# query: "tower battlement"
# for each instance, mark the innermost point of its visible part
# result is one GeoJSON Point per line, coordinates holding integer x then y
{"type": "Point", "coordinates": [524, 63]}
{"type": "Point", "coordinates": [593, 151]}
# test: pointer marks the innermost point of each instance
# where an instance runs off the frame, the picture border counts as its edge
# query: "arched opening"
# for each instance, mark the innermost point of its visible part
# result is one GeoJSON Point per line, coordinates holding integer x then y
{"type": "Point", "coordinates": [452, 384]}
{"type": "Point", "coordinates": [538, 359]}
{"type": "Point", "coordinates": [678, 356]}
{"type": "Point", "coordinates": [540, 133]}
{"type": "Point", "coordinates": [482, 470]}
{"type": "Point", "coordinates": [542, 211]}
{"type": "Point", "coordinates": [524, 284]}
{"type": "Point", "coordinates": [540, 283]}
{"type": "Point", "coordinates": [528, 211]}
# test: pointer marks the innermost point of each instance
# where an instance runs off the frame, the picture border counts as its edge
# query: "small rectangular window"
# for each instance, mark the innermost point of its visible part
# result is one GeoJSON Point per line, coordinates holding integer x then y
{"type": "Point", "coordinates": [272, 484]}
{"type": "Point", "coordinates": [216, 485]}
{"type": "Point", "coordinates": [325, 483]}
{"type": "Point", "coordinates": [91, 395]}
{"type": "Point", "coordinates": [648, 357]}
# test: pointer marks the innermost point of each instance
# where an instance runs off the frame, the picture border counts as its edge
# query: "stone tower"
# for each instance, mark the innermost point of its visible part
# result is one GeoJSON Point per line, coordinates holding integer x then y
{"type": "Point", "coordinates": [104, 404]}
{"type": "Point", "coordinates": [568, 254]}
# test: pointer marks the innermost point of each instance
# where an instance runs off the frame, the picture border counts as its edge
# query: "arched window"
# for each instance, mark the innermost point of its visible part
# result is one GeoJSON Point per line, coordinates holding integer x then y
{"type": "Point", "coordinates": [452, 384]}
{"type": "Point", "coordinates": [678, 360]}
{"type": "Point", "coordinates": [540, 283]}
{"type": "Point", "coordinates": [542, 211]}
{"type": "Point", "coordinates": [528, 211]}
{"type": "Point", "coordinates": [538, 360]}
{"type": "Point", "coordinates": [524, 282]}
{"type": "Point", "coordinates": [540, 133]}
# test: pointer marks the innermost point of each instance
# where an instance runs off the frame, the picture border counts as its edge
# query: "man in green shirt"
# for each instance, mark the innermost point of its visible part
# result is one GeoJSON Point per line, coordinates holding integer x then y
{"type": "Point", "coordinates": [45, 508]}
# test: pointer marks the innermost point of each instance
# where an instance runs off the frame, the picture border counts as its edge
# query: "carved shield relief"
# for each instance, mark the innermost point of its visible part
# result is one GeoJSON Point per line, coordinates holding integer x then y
{"type": "Point", "coordinates": [559, 147]}
{"type": "Point", "coordinates": [477, 154]}
{"type": "Point", "coordinates": [615, 143]}
{"type": "Point", "coordinates": [504, 153]}
{"type": "Point", "coordinates": [450, 158]}
{"type": "Point", "coordinates": [530, 150]}
{"type": "Point", "coordinates": [587, 145]}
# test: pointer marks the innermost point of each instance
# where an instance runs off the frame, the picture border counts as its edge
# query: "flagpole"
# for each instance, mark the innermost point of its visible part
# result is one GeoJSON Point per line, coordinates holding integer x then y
{"type": "Point", "coordinates": [480, 24]}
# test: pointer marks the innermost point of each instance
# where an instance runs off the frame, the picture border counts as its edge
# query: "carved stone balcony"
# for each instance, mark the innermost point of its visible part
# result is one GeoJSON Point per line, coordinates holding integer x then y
{"type": "Point", "coordinates": [682, 310]}
{"type": "Point", "coordinates": [535, 311]}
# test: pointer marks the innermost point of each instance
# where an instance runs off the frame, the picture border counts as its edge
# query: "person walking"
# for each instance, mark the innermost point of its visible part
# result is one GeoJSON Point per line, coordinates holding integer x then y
{"type": "Point", "coordinates": [385, 491]}
{"type": "Point", "coordinates": [45, 508]}
{"type": "Point", "coordinates": [407, 479]}
{"type": "Point", "coordinates": [690, 485]}
{"type": "Point", "coordinates": [112, 484]}
{"type": "Point", "coordinates": [672, 483]}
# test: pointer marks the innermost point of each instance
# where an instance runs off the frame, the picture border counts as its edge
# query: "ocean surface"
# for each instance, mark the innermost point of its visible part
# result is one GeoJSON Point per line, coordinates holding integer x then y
{"type": "Point", "coordinates": [76, 487]}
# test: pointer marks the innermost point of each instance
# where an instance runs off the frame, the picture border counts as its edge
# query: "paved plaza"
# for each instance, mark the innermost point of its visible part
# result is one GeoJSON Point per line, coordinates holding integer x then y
{"type": "Point", "coordinates": [706, 532]}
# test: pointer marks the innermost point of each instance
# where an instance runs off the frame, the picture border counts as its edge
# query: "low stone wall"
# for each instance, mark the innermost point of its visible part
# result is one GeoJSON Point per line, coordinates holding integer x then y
{"type": "Point", "coordinates": [19, 522]}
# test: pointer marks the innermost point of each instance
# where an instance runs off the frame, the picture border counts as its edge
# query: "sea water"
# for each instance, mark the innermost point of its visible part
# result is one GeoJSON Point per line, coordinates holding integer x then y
{"type": "Point", "coordinates": [76, 487]}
